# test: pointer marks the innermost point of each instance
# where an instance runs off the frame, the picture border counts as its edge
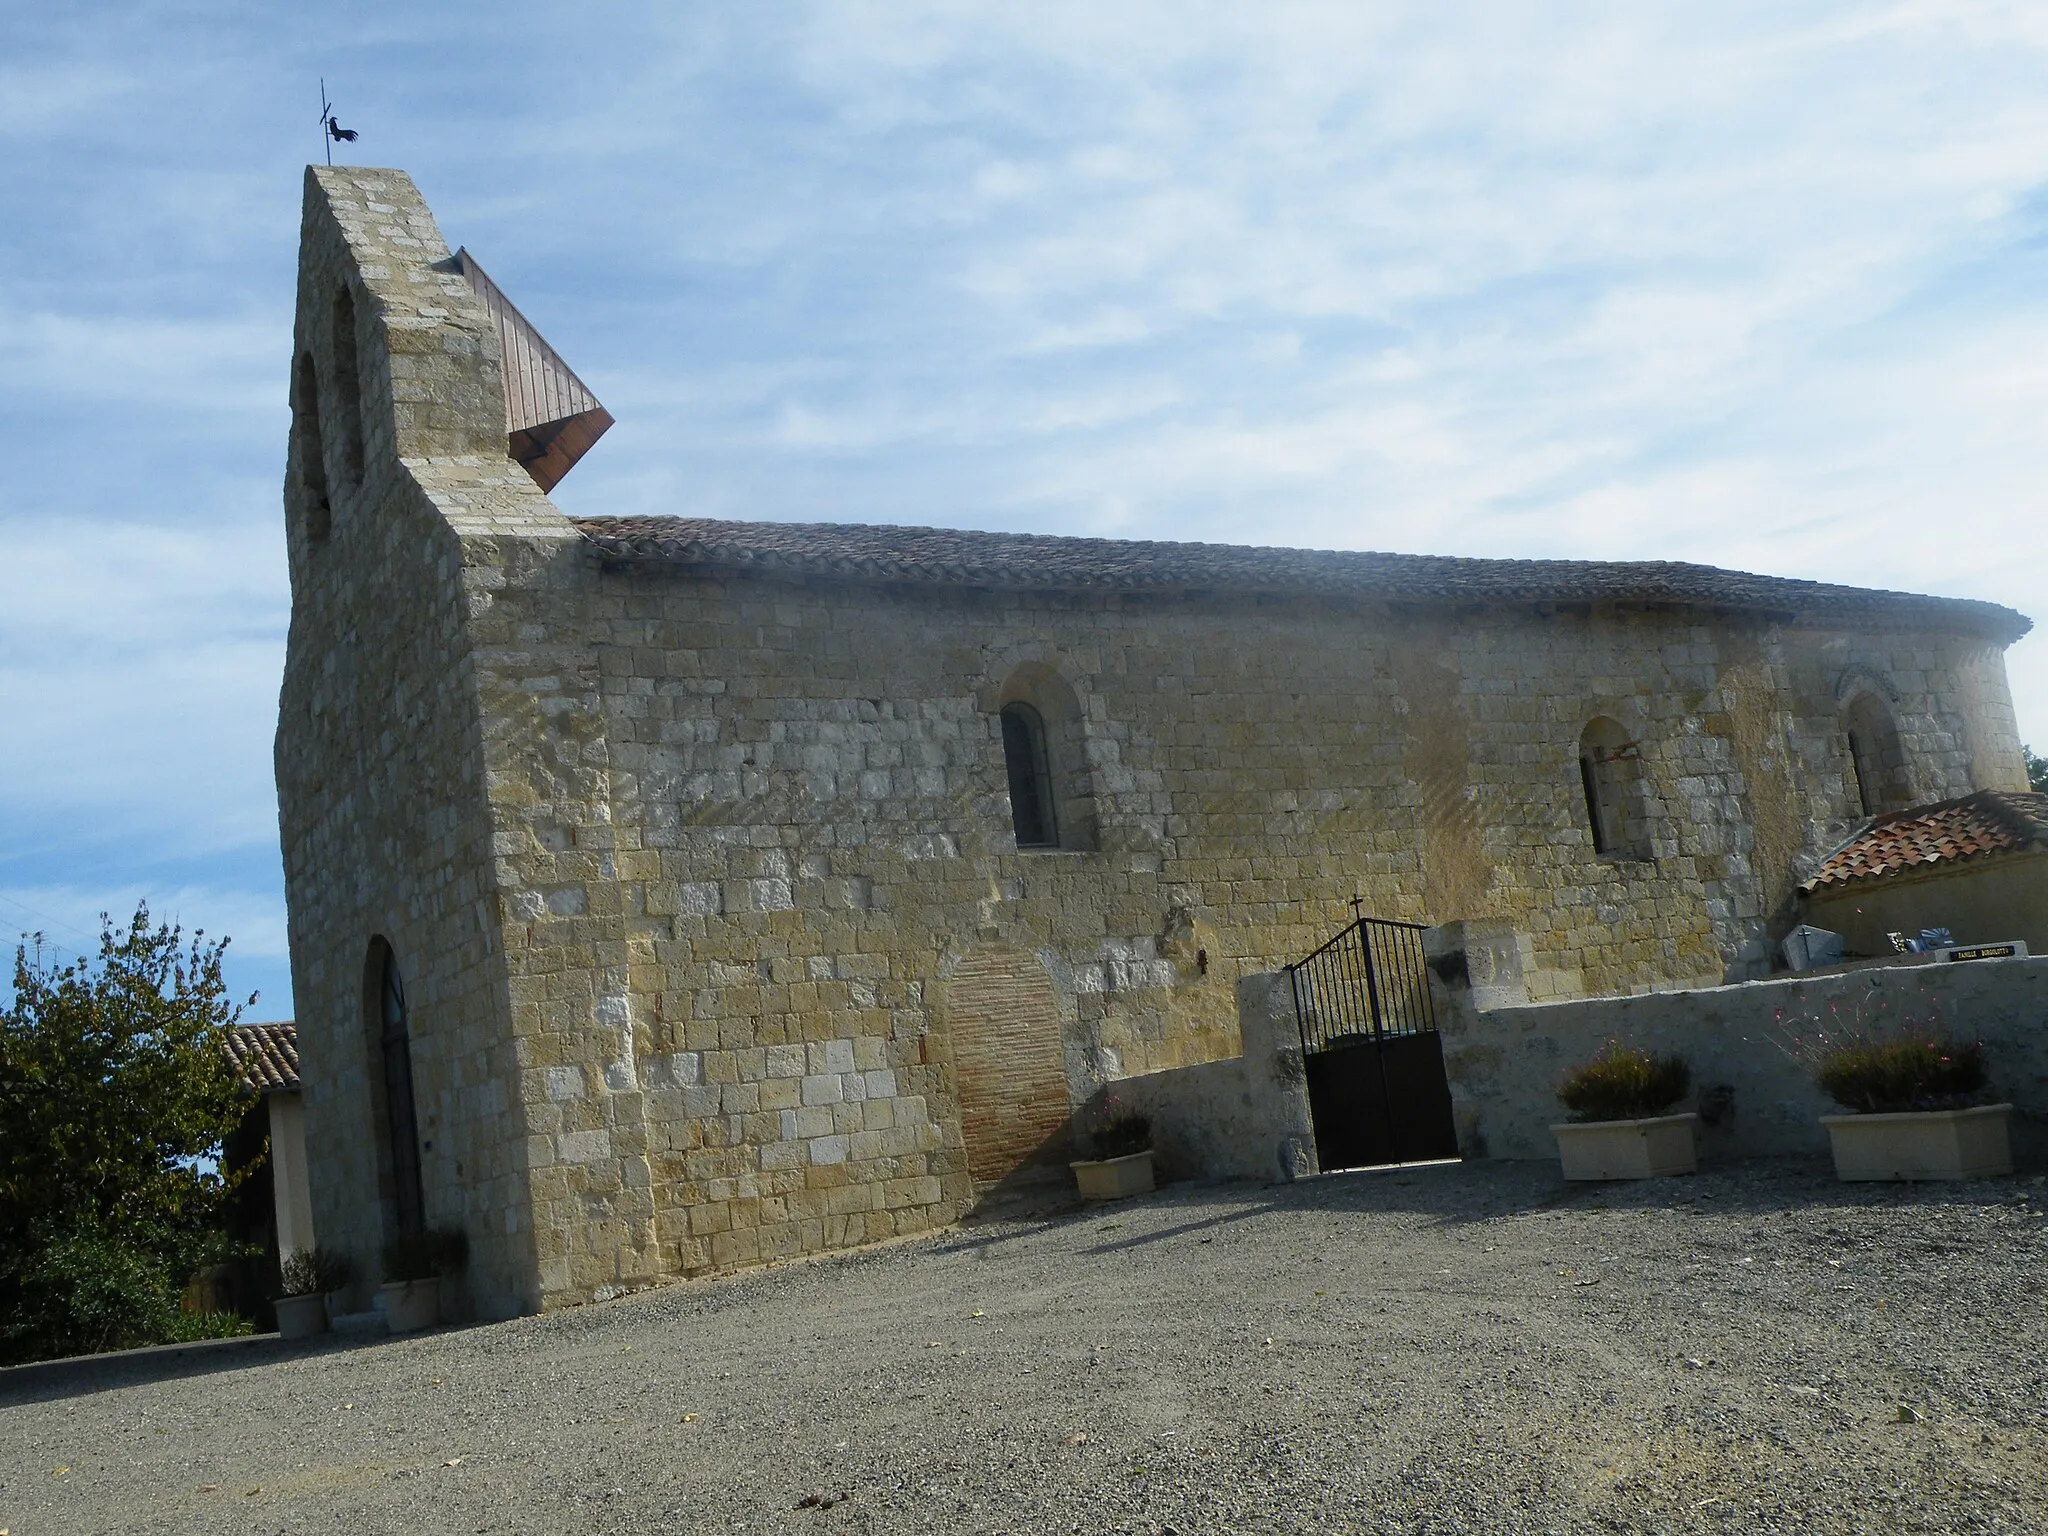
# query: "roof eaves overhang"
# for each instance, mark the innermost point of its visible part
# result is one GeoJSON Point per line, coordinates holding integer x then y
{"type": "Point", "coordinates": [1038, 563]}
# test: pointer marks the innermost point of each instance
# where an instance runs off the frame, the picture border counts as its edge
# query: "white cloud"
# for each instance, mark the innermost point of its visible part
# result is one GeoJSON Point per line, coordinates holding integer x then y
{"type": "Point", "coordinates": [193, 362]}
{"type": "Point", "coordinates": [69, 915]}
{"type": "Point", "coordinates": [147, 656]}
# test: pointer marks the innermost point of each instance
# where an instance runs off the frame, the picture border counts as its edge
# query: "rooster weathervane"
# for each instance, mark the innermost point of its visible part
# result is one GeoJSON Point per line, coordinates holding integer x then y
{"type": "Point", "coordinates": [332, 132]}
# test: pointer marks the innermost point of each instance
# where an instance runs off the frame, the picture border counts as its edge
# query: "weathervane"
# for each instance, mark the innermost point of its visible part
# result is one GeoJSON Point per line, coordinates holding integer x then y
{"type": "Point", "coordinates": [333, 132]}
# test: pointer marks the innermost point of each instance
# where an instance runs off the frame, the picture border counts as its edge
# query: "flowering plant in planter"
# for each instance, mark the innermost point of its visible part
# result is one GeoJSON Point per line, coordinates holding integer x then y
{"type": "Point", "coordinates": [1621, 1125]}
{"type": "Point", "coordinates": [1113, 1129]}
{"type": "Point", "coordinates": [305, 1276]}
{"type": "Point", "coordinates": [1911, 1087]}
{"type": "Point", "coordinates": [1889, 1051]}
{"type": "Point", "coordinates": [1913, 1070]}
{"type": "Point", "coordinates": [415, 1263]}
{"type": "Point", "coordinates": [314, 1272]}
{"type": "Point", "coordinates": [1622, 1083]}
{"type": "Point", "coordinates": [1912, 1109]}
{"type": "Point", "coordinates": [1121, 1142]}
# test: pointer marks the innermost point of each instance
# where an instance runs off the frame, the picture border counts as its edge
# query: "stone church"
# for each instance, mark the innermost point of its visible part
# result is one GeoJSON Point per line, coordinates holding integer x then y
{"type": "Point", "coordinates": [669, 895]}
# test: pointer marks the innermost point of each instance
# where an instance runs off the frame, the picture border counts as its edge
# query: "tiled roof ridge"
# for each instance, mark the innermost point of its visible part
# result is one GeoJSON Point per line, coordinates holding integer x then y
{"type": "Point", "coordinates": [265, 1056]}
{"type": "Point", "coordinates": [2027, 809]}
{"type": "Point", "coordinates": [1986, 821]}
{"type": "Point", "coordinates": [1048, 561]}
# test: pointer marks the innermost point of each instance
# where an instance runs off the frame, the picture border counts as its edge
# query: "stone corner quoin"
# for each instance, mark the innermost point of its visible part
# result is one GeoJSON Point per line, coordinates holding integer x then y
{"type": "Point", "coordinates": [657, 904]}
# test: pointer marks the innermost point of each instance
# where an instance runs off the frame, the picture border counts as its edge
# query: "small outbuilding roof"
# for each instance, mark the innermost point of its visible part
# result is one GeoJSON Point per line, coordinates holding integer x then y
{"type": "Point", "coordinates": [1990, 821]}
{"type": "Point", "coordinates": [1027, 560]}
{"type": "Point", "coordinates": [266, 1056]}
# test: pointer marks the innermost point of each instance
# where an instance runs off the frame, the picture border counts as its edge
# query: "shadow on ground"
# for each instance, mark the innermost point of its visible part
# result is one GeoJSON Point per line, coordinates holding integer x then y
{"type": "Point", "coordinates": [45, 1381]}
{"type": "Point", "coordinates": [1447, 1195]}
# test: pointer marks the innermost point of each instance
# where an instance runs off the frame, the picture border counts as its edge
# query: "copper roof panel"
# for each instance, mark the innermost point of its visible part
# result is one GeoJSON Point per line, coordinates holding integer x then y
{"type": "Point", "coordinates": [551, 417]}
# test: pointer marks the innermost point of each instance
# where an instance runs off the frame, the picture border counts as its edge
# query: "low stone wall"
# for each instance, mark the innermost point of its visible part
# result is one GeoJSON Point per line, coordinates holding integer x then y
{"type": "Point", "coordinates": [1505, 1061]}
{"type": "Point", "coordinates": [1245, 1117]}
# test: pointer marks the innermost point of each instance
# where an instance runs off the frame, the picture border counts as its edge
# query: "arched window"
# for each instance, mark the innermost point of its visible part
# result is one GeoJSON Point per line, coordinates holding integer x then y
{"type": "Point", "coordinates": [309, 449]}
{"type": "Point", "coordinates": [1032, 809]}
{"type": "Point", "coordinates": [1877, 761]}
{"type": "Point", "coordinates": [1611, 778]}
{"type": "Point", "coordinates": [401, 1122]}
{"type": "Point", "coordinates": [1045, 755]}
{"type": "Point", "coordinates": [348, 388]}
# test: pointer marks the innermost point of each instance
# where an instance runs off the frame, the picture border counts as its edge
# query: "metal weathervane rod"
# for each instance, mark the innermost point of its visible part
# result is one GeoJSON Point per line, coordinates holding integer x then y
{"type": "Point", "coordinates": [332, 133]}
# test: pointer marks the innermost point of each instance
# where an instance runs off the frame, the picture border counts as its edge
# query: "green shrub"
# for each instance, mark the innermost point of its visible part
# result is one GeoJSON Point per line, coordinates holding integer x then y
{"type": "Point", "coordinates": [80, 1286]}
{"type": "Point", "coordinates": [116, 1102]}
{"type": "Point", "coordinates": [1625, 1084]}
{"type": "Point", "coordinates": [85, 1284]}
{"type": "Point", "coordinates": [1903, 1072]}
{"type": "Point", "coordinates": [191, 1327]}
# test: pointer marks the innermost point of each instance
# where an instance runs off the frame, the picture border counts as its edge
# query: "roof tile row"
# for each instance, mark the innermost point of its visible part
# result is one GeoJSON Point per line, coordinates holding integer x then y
{"type": "Point", "coordinates": [1023, 560]}
{"type": "Point", "coordinates": [266, 1056]}
{"type": "Point", "coordinates": [1990, 821]}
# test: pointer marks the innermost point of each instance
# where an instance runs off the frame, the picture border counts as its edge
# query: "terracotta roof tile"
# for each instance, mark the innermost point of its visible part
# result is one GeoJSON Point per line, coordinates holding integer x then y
{"type": "Point", "coordinates": [1990, 821]}
{"type": "Point", "coordinates": [266, 1056]}
{"type": "Point", "coordinates": [1022, 560]}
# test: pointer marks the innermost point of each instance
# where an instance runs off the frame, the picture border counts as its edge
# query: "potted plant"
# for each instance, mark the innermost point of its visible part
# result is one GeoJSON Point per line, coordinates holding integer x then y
{"type": "Point", "coordinates": [305, 1277]}
{"type": "Point", "coordinates": [1121, 1140]}
{"type": "Point", "coordinates": [1620, 1126]}
{"type": "Point", "coordinates": [415, 1263]}
{"type": "Point", "coordinates": [1912, 1114]}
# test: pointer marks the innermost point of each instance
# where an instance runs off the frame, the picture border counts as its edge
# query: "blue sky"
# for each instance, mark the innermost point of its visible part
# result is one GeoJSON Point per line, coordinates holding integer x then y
{"type": "Point", "coordinates": [1764, 286]}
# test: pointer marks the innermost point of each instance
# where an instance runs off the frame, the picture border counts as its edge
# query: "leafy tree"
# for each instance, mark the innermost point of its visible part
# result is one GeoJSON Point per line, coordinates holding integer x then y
{"type": "Point", "coordinates": [2037, 770]}
{"type": "Point", "coordinates": [115, 1098]}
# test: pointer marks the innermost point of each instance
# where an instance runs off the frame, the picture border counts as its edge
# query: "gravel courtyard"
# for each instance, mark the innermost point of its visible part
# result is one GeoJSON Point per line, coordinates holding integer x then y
{"type": "Point", "coordinates": [1472, 1348]}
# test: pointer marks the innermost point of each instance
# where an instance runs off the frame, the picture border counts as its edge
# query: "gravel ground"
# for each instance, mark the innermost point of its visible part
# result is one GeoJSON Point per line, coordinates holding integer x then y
{"type": "Point", "coordinates": [1472, 1348]}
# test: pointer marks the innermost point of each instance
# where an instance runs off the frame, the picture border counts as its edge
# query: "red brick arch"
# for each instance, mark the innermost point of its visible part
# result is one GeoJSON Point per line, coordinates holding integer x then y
{"type": "Point", "coordinates": [1008, 1068]}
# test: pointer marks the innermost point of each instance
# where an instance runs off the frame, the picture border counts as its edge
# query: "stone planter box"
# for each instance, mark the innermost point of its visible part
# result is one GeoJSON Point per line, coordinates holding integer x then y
{"type": "Point", "coordinates": [1922, 1144]}
{"type": "Point", "coordinates": [1629, 1149]}
{"type": "Point", "coordinates": [301, 1317]}
{"type": "Point", "coordinates": [1115, 1178]}
{"type": "Point", "coordinates": [410, 1305]}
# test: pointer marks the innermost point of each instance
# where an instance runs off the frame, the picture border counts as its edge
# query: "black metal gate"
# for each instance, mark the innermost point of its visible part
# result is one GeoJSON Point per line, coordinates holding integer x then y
{"type": "Point", "coordinates": [1369, 1042]}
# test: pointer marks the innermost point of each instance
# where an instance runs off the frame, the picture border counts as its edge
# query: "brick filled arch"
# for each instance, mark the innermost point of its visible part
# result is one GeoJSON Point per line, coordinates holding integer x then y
{"type": "Point", "coordinates": [1008, 1068]}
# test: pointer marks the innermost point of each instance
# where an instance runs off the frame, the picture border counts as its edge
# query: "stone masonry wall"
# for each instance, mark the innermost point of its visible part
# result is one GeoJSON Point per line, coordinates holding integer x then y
{"type": "Point", "coordinates": [1504, 1063]}
{"type": "Point", "coordinates": [802, 784]}
{"type": "Point", "coordinates": [1243, 1117]}
{"type": "Point", "coordinates": [383, 812]}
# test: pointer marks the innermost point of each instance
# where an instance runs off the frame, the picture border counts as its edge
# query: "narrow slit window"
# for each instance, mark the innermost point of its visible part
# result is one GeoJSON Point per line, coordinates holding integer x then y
{"type": "Point", "coordinates": [1596, 815]}
{"type": "Point", "coordinates": [1031, 801]}
{"type": "Point", "coordinates": [348, 388]}
{"type": "Point", "coordinates": [401, 1121]}
{"type": "Point", "coordinates": [1864, 771]}
{"type": "Point", "coordinates": [1877, 758]}
{"type": "Point", "coordinates": [1611, 779]}
{"type": "Point", "coordinates": [311, 451]}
